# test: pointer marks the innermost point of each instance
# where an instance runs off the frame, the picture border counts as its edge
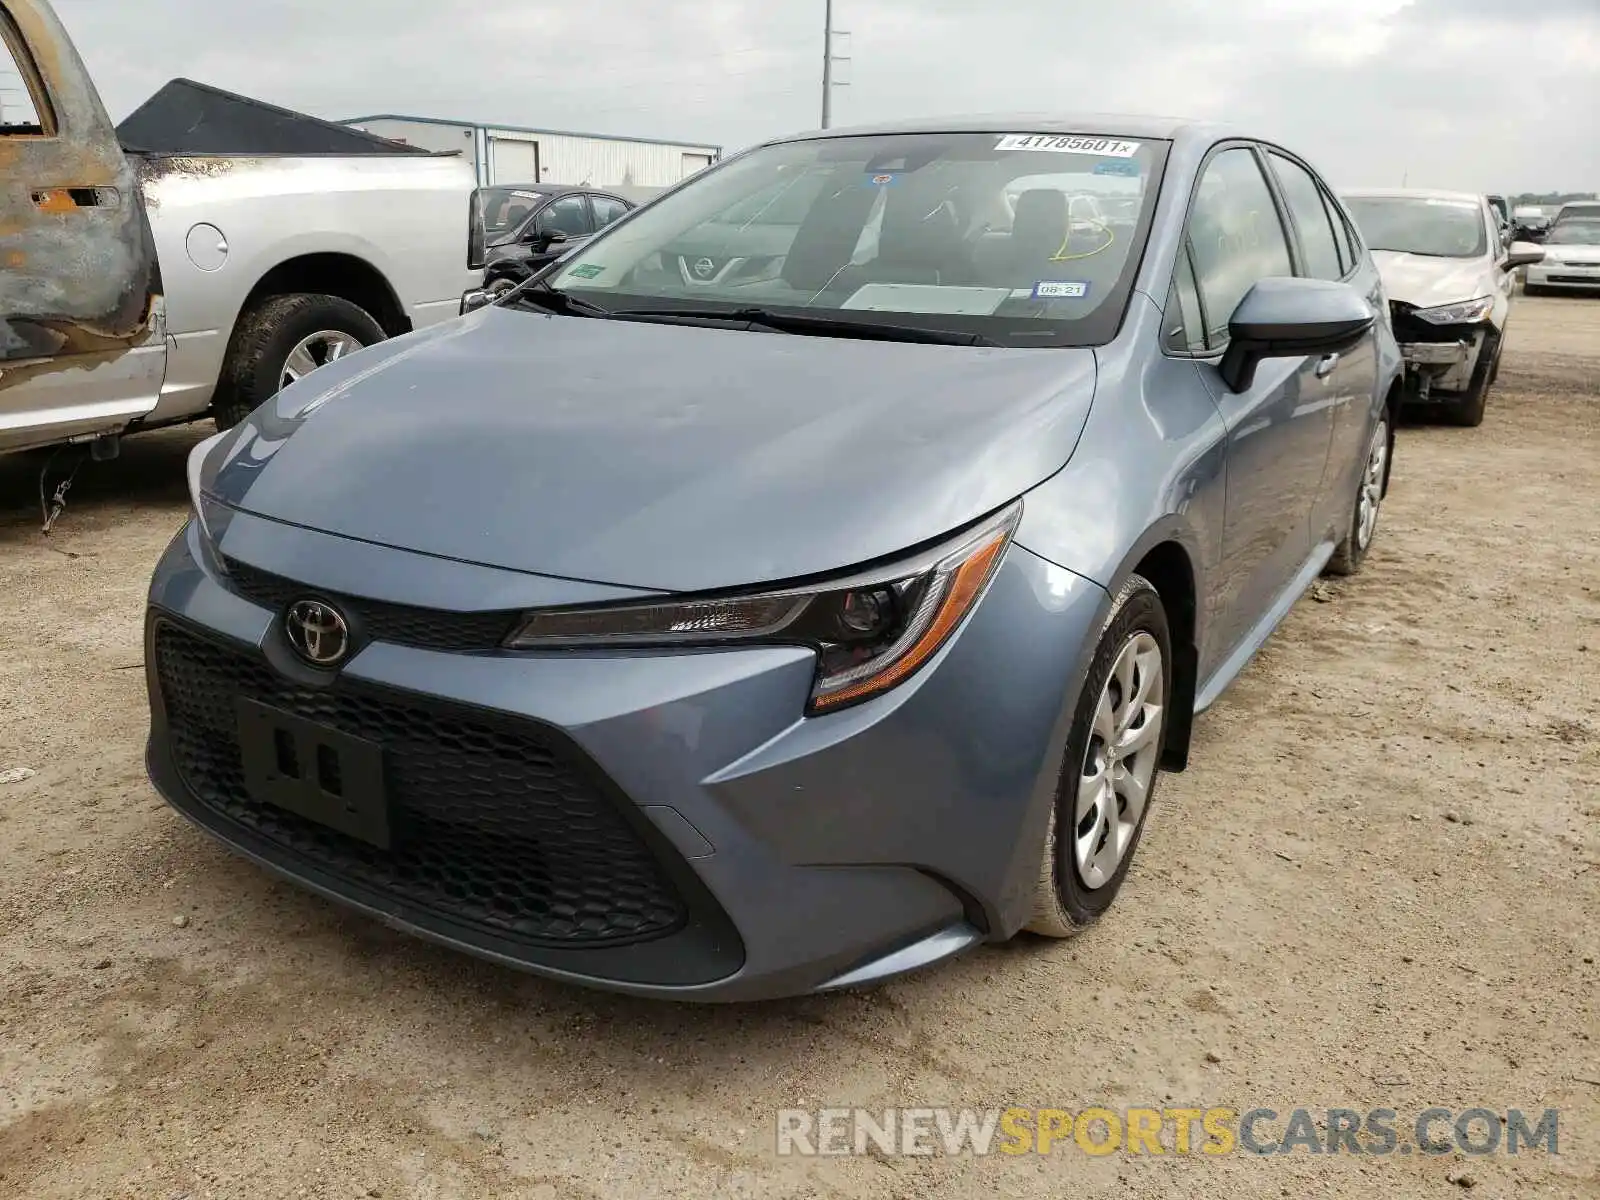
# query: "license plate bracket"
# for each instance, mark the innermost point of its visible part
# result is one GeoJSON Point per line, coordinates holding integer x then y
{"type": "Point", "coordinates": [314, 771]}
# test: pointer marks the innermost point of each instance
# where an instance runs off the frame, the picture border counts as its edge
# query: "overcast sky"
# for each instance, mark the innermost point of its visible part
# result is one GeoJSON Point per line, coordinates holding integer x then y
{"type": "Point", "coordinates": [1488, 95]}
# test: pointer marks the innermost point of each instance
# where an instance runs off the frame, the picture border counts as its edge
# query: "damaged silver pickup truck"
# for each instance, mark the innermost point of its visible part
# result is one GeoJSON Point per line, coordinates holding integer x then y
{"type": "Point", "coordinates": [201, 255]}
{"type": "Point", "coordinates": [1449, 269]}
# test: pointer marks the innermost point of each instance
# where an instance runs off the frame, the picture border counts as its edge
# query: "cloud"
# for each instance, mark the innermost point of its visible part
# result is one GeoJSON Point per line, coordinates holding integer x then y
{"type": "Point", "coordinates": [1458, 93]}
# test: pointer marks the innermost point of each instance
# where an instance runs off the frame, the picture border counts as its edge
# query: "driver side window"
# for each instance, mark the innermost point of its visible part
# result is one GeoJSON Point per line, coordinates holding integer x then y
{"type": "Point", "coordinates": [1235, 238]}
{"type": "Point", "coordinates": [567, 214]}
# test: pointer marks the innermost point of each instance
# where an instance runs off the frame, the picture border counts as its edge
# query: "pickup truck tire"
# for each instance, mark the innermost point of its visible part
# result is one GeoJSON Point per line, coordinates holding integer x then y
{"type": "Point", "coordinates": [265, 336]}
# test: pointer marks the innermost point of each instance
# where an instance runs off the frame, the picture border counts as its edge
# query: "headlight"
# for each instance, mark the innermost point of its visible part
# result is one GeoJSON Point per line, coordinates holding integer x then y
{"type": "Point", "coordinates": [1467, 312]}
{"type": "Point", "coordinates": [871, 632]}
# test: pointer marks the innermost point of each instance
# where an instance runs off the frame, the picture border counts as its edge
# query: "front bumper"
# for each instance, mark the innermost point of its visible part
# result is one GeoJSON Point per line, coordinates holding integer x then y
{"type": "Point", "coordinates": [804, 853]}
{"type": "Point", "coordinates": [1438, 358]}
{"type": "Point", "coordinates": [1563, 275]}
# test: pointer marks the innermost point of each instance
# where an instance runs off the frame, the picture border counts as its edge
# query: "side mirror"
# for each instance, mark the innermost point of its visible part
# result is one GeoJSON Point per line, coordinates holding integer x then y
{"type": "Point", "coordinates": [1292, 318]}
{"type": "Point", "coordinates": [543, 239]}
{"type": "Point", "coordinates": [475, 299]}
{"type": "Point", "coordinates": [1522, 254]}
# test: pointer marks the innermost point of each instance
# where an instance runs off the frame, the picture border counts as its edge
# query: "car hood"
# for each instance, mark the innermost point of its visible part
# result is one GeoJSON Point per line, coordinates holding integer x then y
{"type": "Point", "coordinates": [673, 458]}
{"type": "Point", "coordinates": [1425, 281]}
{"type": "Point", "coordinates": [1570, 252]}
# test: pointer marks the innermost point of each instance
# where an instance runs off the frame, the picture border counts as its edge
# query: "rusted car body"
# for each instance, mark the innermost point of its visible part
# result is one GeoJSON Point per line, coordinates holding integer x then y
{"type": "Point", "coordinates": [81, 330]}
{"type": "Point", "coordinates": [147, 283]}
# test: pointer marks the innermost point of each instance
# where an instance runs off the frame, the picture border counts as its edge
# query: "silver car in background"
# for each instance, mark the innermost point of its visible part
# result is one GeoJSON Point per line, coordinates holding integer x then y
{"type": "Point", "coordinates": [1571, 253]}
{"type": "Point", "coordinates": [1449, 278]}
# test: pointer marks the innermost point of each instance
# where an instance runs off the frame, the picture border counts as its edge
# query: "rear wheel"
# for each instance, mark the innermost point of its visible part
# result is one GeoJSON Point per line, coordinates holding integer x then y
{"type": "Point", "coordinates": [281, 340]}
{"type": "Point", "coordinates": [1112, 763]}
{"type": "Point", "coordinates": [1352, 550]}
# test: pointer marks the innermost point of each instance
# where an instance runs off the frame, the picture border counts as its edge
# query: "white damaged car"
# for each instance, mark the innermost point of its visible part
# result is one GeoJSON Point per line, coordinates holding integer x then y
{"type": "Point", "coordinates": [1448, 278]}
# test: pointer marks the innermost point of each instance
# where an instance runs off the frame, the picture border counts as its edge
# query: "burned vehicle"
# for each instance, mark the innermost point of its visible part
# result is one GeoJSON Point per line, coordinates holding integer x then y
{"type": "Point", "coordinates": [203, 254]}
{"type": "Point", "coordinates": [1449, 278]}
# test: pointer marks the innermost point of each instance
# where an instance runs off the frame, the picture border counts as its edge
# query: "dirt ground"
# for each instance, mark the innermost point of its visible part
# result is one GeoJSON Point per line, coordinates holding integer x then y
{"type": "Point", "coordinates": [1377, 886]}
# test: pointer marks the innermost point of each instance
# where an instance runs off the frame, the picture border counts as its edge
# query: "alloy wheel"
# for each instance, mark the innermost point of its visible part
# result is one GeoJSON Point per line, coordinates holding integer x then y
{"type": "Point", "coordinates": [1120, 763]}
{"type": "Point", "coordinates": [318, 350]}
{"type": "Point", "coordinates": [1372, 486]}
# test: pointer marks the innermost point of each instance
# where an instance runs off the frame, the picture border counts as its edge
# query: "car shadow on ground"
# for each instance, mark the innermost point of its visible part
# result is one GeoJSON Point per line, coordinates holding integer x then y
{"type": "Point", "coordinates": [360, 959]}
{"type": "Point", "coordinates": [147, 473]}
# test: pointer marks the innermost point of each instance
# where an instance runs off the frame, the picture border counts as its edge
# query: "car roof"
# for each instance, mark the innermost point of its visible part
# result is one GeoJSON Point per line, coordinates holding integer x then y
{"type": "Point", "coordinates": [1124, 125]}
{"type": "Point", "coordinates": [1412, 194]}
{"type": "Point", "coordinates": [548, 189]}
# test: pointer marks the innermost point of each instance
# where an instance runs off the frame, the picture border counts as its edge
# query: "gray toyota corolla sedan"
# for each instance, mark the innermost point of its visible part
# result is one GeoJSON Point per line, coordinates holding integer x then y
{"type": "Point", "coordinates": [742, 609]}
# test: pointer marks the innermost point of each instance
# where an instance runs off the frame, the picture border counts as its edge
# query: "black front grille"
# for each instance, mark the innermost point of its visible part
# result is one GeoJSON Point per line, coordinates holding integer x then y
{"type": "Point", "coordinates": [403, 625]}
{"type": "Point", "coordinates": [498, 824]}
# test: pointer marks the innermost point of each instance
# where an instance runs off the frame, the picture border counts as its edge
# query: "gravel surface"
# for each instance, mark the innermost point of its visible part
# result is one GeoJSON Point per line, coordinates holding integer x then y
{"type": "Point", "coordinates": [1378, 885]}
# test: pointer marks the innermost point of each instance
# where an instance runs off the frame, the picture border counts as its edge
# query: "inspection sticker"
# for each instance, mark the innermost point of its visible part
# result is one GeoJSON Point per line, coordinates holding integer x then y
{"type": "Point", "coordinates": [1055, 143]}
{"type": "Point", "coordinates": [1060, 289]}
{"type": "Point", "coordinates": [585, 271]}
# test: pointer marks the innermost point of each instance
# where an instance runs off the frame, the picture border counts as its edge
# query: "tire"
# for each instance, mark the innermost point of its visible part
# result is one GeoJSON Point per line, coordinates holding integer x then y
{"type": "Point", "coordinates": [264, 338]}
{"type": "Point", "coordinates": [1065, 899]}
{"type": "Point", "coordinates": [1466, 409]}
{"type": "Point", "coordinates": [1352, 549]}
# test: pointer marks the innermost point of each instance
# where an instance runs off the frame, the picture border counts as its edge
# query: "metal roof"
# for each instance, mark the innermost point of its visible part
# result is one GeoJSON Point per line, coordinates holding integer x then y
{"type": "Point", "coordinates": [1101, 124]}
{"type": "Point", "coordinates": [491, 127]}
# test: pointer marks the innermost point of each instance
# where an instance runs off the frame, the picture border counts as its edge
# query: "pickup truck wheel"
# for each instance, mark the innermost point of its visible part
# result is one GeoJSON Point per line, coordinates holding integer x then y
{"type": "Point", "coordinates": [284, 338]}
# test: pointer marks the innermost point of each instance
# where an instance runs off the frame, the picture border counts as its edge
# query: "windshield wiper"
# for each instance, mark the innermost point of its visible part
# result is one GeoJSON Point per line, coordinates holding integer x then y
{"type": "Point", "coordinates": [546, 297]}
{"type": "Point", "coordinates": [805, 323]}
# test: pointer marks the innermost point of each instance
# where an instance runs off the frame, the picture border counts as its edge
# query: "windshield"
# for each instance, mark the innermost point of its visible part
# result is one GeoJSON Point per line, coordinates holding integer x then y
{"type": "Point", "coordinates": [505, 209]}
{"type": "Point", "coordinates": [1414, 225]}
{"type": "Point", "coordinates": [1022, 239]}
{"type": "Point", "coordinates": [1575, 232]}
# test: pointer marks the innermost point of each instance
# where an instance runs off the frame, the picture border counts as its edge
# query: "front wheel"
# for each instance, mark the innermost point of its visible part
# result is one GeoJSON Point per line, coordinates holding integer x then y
{"type": "Point", "coordinates": [1112, 763]}
{"type": "Point", "coordinates": [1351, 551]}
{"type": "Point", "coordinates": [1467, 409]}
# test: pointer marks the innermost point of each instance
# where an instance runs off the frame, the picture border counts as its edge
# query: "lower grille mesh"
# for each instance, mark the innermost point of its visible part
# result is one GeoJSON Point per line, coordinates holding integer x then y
{"type": "Point", "coordinates": [497, 823]}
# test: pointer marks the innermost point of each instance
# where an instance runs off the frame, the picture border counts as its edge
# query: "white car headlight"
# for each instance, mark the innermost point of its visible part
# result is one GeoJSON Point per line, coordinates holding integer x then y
{"type": "Point", "coordinates": [870, 632]}
{"type": "Point", "coordinates": [1466, 312]}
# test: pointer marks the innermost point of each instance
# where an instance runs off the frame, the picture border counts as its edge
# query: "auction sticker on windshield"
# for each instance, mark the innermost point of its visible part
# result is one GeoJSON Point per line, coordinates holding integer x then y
{"type": "Point", "coordinates": [1060, 289]}
{"type": "Point", "coordinates": [1055, 143]}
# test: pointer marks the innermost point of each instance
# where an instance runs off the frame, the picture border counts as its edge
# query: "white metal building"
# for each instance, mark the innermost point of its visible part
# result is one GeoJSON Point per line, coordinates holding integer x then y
{"type": "Point", "coordinates": [517, 154]}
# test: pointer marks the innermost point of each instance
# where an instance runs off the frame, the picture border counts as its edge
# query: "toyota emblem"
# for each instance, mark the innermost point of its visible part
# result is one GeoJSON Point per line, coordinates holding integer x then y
{"type": "Point", "coordinates": [318, 632]}
{"type": "Point", "coordinates": [705, 268]}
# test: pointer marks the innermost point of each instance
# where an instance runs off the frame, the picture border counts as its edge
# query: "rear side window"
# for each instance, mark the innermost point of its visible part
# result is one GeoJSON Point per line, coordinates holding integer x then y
{"type": "Point", "coordinates": [1235, 236]}
{"type": "Point", "coordinates": [22, 107]}
{"type": "Point", "coordinates": [1311, 219]}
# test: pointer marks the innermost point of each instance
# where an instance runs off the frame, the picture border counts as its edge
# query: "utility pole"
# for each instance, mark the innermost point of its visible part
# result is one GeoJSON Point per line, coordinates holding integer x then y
{"type": "Point", "coordinates": [829, 58]}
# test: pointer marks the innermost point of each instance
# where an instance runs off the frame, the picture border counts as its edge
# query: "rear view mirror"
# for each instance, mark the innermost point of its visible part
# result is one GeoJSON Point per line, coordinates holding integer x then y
{"type": "Point", "coordinates": [1292, 318]}
{"type": "Point", "coordinates": [1522, 254]}
{"type": "Point", "coordinates": [475, 299]}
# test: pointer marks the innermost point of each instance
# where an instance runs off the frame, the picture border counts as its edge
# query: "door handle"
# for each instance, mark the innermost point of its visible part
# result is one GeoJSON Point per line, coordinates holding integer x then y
{"type": "Point", "coordinates": [1326, 366]}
